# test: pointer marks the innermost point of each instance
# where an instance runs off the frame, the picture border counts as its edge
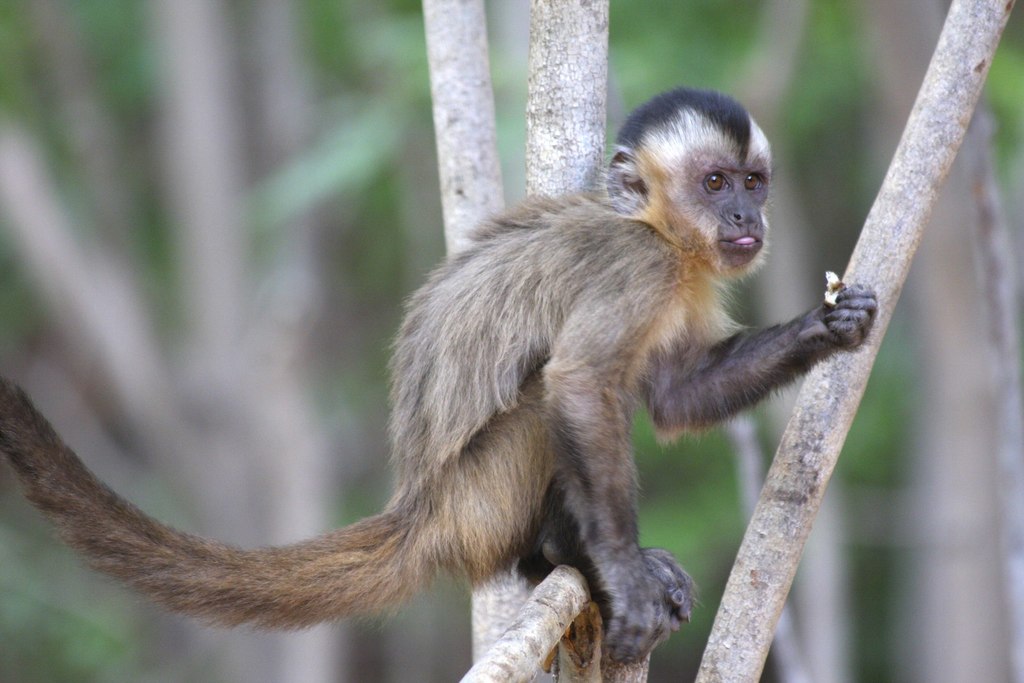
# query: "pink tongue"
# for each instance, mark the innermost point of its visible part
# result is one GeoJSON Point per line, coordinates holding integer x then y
{"type": "Point", "coordinates": [744, 240]}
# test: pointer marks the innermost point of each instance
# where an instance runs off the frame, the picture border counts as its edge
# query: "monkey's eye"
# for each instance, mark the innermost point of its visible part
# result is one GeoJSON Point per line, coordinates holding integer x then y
{"type": "Point", "coordinates": [715, 182]}
{"type": "Point", "coordinates": [752, 181]}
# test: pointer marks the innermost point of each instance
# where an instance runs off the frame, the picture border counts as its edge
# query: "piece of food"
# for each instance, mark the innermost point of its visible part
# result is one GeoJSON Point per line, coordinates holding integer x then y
{"type": "Point", "coordinates": [833, 285]}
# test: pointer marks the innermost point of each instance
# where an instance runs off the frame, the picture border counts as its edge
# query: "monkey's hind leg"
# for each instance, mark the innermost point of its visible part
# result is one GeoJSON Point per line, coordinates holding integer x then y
{"type": "Point", "coordinates": [489, 499]}
{"type": "Point", "coordinates": [558, 542]}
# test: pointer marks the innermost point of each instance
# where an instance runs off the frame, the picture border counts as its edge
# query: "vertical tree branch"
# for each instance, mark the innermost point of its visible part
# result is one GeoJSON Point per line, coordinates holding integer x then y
{"type": "Point", "coordinates": [205, 180]}
{"type": "Point", "coordinates": [566, 95]}
{"type": "Point", "coordinates": [566, 128]}
{"type": "Point", "coordinates": [953, 498]}
{"type": "Point", "coordinates": [298, 488]}
{"type": "Point", "coordinates": [463, 99]}
{"type": "Point", "coordinates": [771, 548]}
{"type": "Point", "coordinates": [470, 175]}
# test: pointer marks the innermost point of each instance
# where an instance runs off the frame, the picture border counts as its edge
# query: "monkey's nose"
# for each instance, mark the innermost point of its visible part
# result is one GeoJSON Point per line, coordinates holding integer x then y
{"type": "Point", "coordinates": [743, 219]}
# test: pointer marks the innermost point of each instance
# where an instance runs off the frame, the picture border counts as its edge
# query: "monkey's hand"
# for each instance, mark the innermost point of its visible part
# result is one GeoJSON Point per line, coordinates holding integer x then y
{"type": "Point", "coordinates": [656, 602]}
{"type": "Point", "coordinates": [843, 326]}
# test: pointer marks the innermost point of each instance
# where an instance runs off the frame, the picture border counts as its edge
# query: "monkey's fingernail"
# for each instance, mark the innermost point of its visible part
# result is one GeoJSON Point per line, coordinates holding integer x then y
{"type": "Point", "coordinates": [678, 597]}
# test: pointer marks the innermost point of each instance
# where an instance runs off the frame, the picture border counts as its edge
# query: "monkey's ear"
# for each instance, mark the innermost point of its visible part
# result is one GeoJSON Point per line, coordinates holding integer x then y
{"type": "Point", "coordinates": [626, 188]}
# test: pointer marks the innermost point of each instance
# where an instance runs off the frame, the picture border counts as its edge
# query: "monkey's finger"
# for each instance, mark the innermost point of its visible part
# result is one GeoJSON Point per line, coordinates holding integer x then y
{"type": "Point", "coordinates": [857, 296]}
{"type": "Point", "coordinates": [848, 315]}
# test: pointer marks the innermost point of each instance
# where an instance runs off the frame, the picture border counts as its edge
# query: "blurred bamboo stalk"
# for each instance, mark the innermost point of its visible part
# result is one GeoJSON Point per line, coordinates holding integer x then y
{"type": "Point", "coordinates": [205, 176]}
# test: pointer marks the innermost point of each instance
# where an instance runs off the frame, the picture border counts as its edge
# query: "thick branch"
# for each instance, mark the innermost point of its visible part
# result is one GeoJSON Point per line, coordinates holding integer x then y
{"type": "Point", "coordinates": [565, 142]}
{"type": "Point", "coordinates": [771, 548]}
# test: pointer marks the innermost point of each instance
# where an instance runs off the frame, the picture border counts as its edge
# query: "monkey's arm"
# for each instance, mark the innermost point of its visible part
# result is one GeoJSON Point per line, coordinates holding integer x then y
{"type": "Point", "coordinates": [743, 369]}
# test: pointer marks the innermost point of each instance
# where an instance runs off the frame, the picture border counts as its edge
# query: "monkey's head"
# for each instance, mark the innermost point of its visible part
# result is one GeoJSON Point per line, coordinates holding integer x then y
{"type": "Point", "coordinates": [694, 166]}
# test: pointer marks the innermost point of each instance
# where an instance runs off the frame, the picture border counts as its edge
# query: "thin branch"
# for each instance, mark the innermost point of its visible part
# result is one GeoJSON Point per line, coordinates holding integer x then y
{"type": "Point", "coordinates": [993, 247]}
{"type": "Point", "coordinates": [463, 99]}
{"type": "Point", "coordinates": [771, 548]}
{"type": "Point", "coordinates": [90, 131]}
{"type": "Point", "coordinates": [520, 652]}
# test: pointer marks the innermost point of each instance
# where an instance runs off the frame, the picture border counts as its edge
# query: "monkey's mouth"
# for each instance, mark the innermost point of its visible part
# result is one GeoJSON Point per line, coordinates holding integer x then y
{"type": "Point", "coordinates": [740, 250]}
{"type": "Point", "coordinates": [739, 245]}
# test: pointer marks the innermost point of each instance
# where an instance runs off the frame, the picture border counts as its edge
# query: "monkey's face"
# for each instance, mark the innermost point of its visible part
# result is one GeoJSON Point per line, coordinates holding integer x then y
{"type": "Point", "coordinates": [701, 186]}
{"type": "Point", "coordinates": [716, 206]}
{"type": "Point", "coordinates": [733, 200]}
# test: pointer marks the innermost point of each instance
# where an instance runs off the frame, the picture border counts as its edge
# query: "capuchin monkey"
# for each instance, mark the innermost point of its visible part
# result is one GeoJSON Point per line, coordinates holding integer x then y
{"type": "Point", "coordinates": [515, 378]}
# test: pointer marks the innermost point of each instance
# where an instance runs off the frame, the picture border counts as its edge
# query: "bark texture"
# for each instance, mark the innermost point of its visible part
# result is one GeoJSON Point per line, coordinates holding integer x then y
{"type": "Point", "coordinates": [566, 96]}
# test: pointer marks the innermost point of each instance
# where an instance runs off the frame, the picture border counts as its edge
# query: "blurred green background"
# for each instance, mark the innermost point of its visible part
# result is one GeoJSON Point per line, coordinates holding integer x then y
{"type": "Point", "coordinates": [211, 212]}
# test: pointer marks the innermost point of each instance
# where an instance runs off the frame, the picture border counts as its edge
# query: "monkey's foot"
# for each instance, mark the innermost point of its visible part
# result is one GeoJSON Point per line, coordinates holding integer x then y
{"type": "Point", "coordinates": [677, 583]}
{"type": "Point", "coordinates": [647, 605]}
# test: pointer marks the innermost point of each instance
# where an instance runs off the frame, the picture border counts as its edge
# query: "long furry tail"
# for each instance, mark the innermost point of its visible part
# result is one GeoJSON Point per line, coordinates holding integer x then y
{"type": "Point", "coordinates": [364, 568]}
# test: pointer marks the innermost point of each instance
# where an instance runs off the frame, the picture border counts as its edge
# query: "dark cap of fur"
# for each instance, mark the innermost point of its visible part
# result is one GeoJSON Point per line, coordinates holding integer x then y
{"type": "Point", "coordinates": [729, 115]}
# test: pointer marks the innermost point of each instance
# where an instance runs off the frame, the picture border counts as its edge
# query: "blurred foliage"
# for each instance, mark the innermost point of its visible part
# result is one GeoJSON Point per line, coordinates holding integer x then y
{"type": "Point", "coordinates": [368, 71]}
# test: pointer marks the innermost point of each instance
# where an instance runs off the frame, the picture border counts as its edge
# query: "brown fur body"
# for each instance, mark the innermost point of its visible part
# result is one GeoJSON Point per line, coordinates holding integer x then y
{"type": "Point", "coordinates": [532, 311]}
{"type": "Point", "coordinates": [521, 309]}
